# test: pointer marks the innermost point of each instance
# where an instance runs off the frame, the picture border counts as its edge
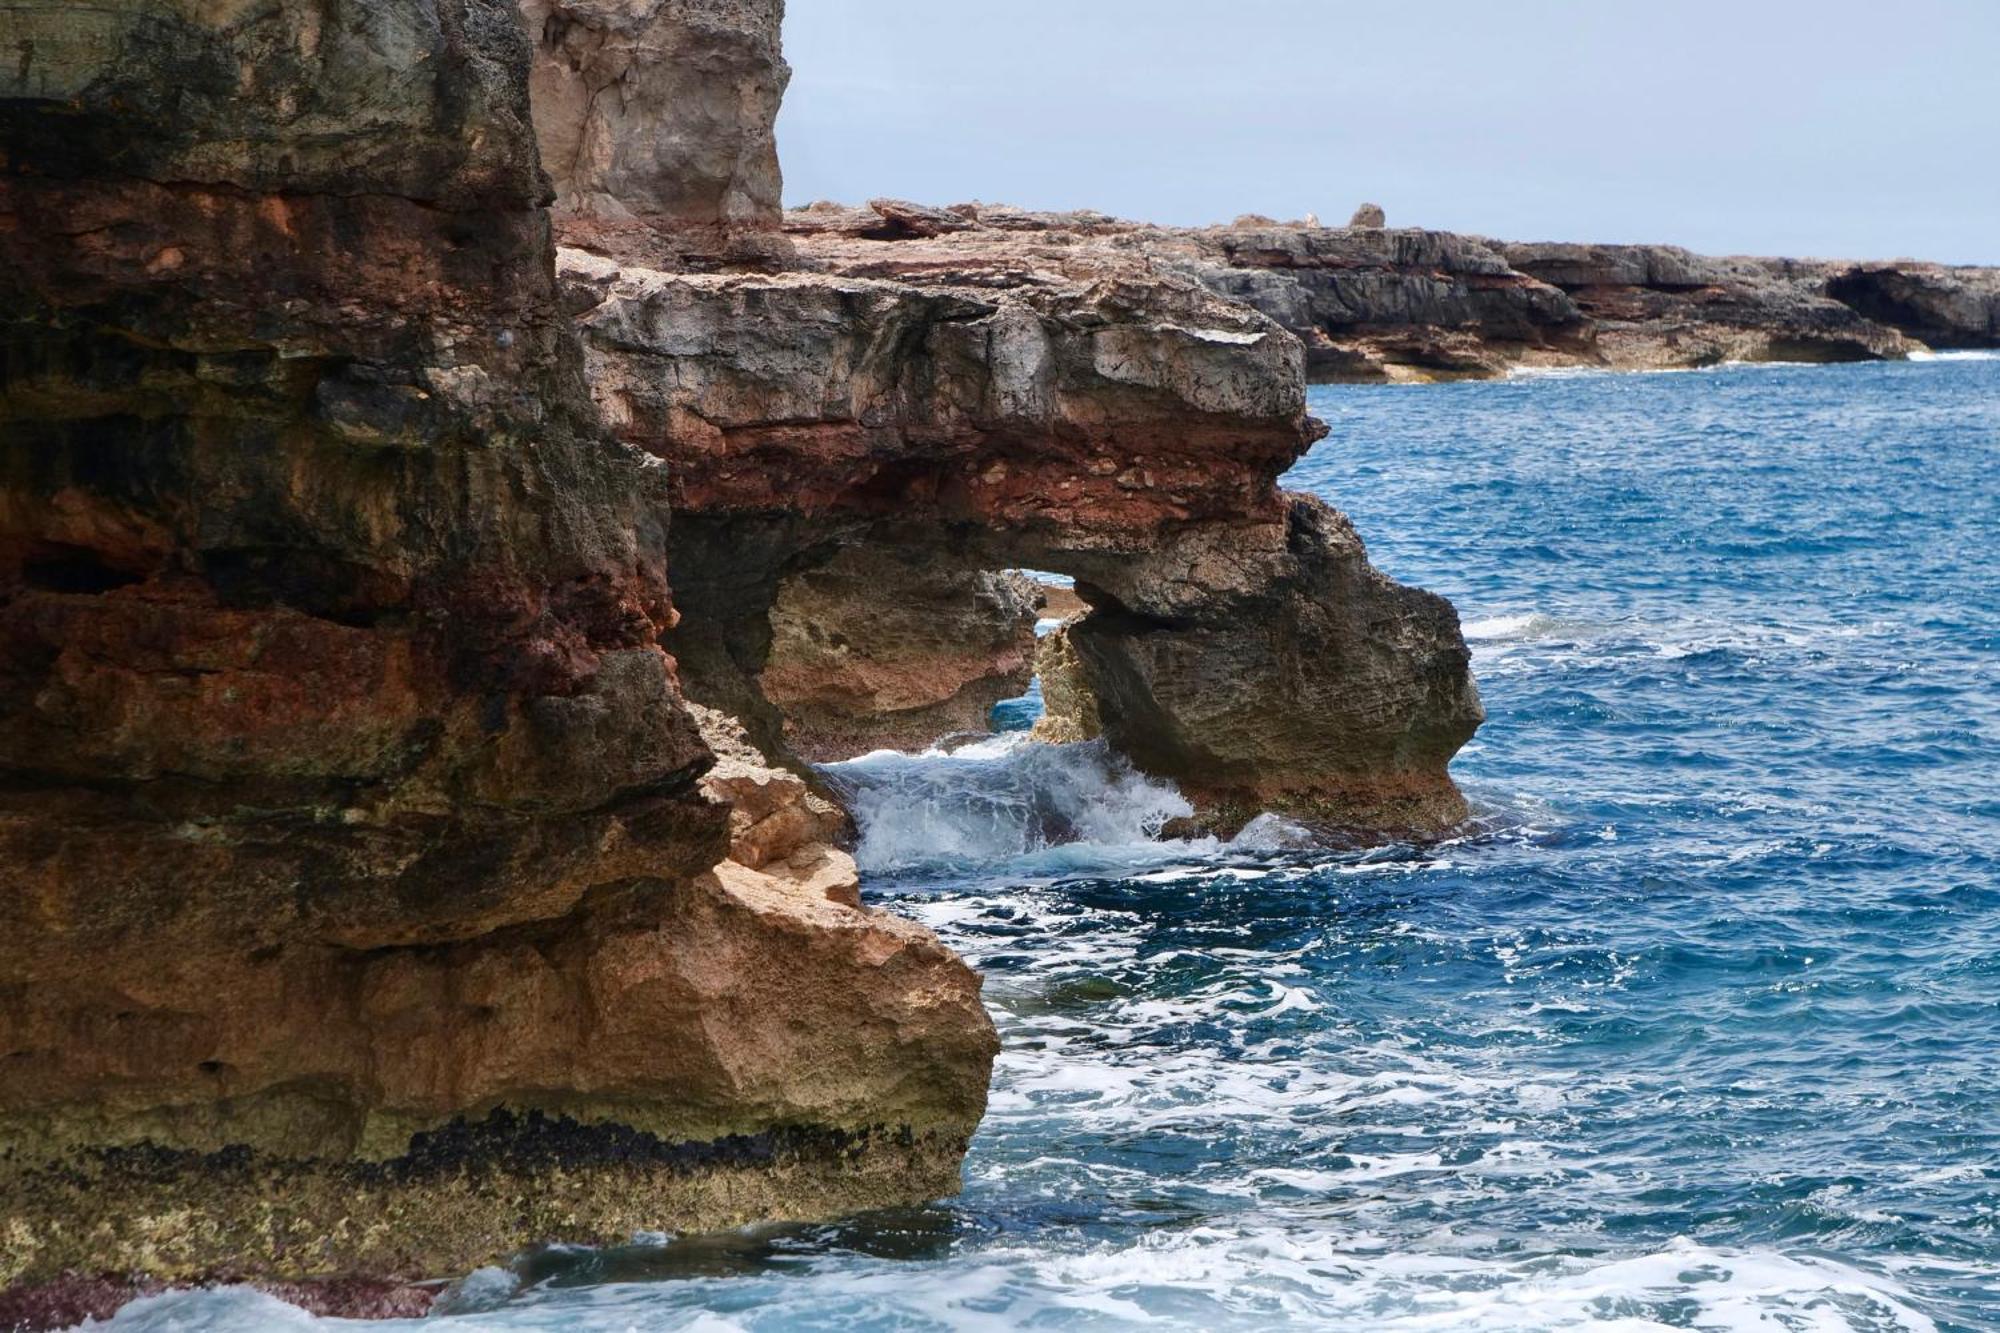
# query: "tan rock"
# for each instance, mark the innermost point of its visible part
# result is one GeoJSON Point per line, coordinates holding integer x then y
{"type": "Point", "coordinates": [373, 903]}
{"type": "Point", "coordinates": [870, 651]}
{"type": "Point", "coordinates": [655, 120]}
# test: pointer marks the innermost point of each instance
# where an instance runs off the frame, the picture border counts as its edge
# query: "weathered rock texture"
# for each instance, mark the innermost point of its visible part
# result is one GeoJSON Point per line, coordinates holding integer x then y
{"type": "Point", "coordinates": [870, 652]}
{"type": "Point", "coordinates": [655, 121]}
{"type": "Point", "coordinates": [373, 903]}
{"type": "Point", "coordinates": [1657, 306]}
{"type": "Point", "coordinates": [955, 396]}
{"type": "Point", "coordinates": [1371, 303]}
{"type": "Point", "coordinates": [1944, 307]}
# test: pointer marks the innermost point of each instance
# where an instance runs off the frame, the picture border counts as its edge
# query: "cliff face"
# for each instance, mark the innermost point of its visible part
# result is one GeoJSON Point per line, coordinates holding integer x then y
{"type": "Point", "coordinates": [371, 906]}
{"type": "Point", "coordinates": [948, 399]}
{"type": "Point", "coordinates": [655, 121]}
{"type": "Point", "coordinates": [1657, 306]}
{"type": "Point", "coordinates": [1945, 307]}
{"type": "Point", "coordinates": [1372, 303]}
{"type": "Point", "coordinates": [385, 890]}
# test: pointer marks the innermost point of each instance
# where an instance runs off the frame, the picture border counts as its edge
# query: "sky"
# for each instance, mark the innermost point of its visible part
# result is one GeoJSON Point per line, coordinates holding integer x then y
{"type": "Point", "coordinates": [1824, 128]}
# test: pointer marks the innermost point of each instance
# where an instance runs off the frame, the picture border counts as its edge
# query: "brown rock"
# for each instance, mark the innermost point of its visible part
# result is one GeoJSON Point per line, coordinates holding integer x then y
{"type": "Point", "coordinates": [1656, 306]}
{"type": "Point", "coordinates": [375, 904]}
{"type": "Point", "coordinates": [655, 120]}
{"type": "Point", "coordinates": [1006, 396]}
{"type": "Point", "coordinates": [1940, 306]}
{"type": "Point", "coordinates": [870, 651]}
{"type": "Point", "coordinates": [1369, 215]}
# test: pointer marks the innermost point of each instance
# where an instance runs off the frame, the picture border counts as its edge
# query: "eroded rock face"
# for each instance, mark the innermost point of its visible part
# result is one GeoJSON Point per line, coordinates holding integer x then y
{"type": "Point", "coordinates": [1659, 306]}
{"type": "Point", "coordinates": [1943, 307]}
{"type": "Point", "coordinates": [1373, 303]}
{"type": "Point", "coordinates": [1289, 674]}
{"type": "Point", "coordinates": [655, 120]}
{"type": "Point", "coordinates": [994, 393]}
{"type": "Point", "coordinates": [873, 651]}
{"type": "Point", "coordinates": [374, 902]}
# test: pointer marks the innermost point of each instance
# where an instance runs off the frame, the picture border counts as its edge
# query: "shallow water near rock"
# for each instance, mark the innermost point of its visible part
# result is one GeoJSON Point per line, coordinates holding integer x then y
{"type": "Point", "coordinates": [1698, 1026]}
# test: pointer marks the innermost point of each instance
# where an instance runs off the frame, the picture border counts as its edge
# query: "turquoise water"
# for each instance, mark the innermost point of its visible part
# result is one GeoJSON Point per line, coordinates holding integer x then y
{"type": "Point", "coordinates": [1698, 1027]}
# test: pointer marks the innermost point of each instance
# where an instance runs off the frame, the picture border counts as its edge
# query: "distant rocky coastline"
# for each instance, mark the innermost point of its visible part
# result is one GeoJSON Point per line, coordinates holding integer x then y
{"type": "Point", "coordinates": [1371, 303]}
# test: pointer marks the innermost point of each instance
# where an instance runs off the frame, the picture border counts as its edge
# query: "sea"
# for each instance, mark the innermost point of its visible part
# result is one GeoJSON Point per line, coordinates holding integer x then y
{"type": "Point", "coordinates": [1695, 1026]}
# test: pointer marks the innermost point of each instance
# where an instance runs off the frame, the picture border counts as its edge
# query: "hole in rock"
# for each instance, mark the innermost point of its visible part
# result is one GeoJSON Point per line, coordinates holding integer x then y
{"type": "Point", "coordinates": [58, 567]}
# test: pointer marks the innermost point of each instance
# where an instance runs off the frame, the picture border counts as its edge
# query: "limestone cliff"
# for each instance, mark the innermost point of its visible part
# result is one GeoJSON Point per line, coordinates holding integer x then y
{"type": "Point", "coordinates": [408, 854]}
{"type": "Point", "coordinates": [1372, 303]}
{"type": "Point", "coordinates": [655, 119]}
{"type": "Point", "coordinates": [372, 905]}
{"type": "Point", "coordinates": [931, 393]}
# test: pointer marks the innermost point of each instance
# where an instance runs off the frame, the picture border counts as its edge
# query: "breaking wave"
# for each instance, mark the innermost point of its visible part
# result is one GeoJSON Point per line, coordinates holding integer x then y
{"type": "Point", "coordinates": [1008, 800]}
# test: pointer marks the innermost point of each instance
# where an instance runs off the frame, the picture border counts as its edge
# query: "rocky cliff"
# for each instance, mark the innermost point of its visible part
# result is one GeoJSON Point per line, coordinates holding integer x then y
{"type": "Point", "coordinates": [443, 504]}
{"type": "Point", "coordinates": [941, 400]}
{"type": "Point", "coordinates": [655, 120]}
{"type": "Point", "coordinates": [373, 901]}
{"type": "Point", "coordinates": [1375, 303]}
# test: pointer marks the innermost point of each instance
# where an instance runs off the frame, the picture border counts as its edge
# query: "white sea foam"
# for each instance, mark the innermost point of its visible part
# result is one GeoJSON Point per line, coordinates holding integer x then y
{"type": "Point", "coordinates": [1967, 354]}
{"type": "Point", "coordinates": [213, 1310]}
{"type": "Point", "coordinates": [1507, 628]}
{"type": "Point", "coordinates": [1003, 799]}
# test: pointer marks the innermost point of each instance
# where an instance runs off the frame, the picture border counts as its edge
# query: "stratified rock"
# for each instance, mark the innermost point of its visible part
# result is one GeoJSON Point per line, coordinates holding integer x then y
{"type": "Point", "coordinates": [1369, 215]}
{"type": "Point", "coordinates": [655, 120]}
{"type": "Point", "coordinates": [1660, 307]}
{"type": "Point", "coordinates": [1372, 303]}
{"type": "Point", "coordinates": [1940, 306]}
{"type": "Point", "coordinates": [873, 651]}
{"type": "Point", "coordinates": [1034, 396]}
{"type": "Point", "coordinates": [375, 905]}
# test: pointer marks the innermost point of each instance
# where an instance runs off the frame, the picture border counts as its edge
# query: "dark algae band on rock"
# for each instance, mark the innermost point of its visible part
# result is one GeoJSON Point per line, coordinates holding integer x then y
{"type": "Point", "coordinates": [461, 1196]}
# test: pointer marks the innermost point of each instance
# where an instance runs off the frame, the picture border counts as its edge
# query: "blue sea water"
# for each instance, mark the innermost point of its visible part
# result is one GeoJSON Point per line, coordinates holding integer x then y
{"type": "Point", "coordinates": [1697, 1027]}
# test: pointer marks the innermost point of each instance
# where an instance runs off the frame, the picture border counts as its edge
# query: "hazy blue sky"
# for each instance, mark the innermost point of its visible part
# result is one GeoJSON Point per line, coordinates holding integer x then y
{"type": "Point", "coordinates": [1846, 128]}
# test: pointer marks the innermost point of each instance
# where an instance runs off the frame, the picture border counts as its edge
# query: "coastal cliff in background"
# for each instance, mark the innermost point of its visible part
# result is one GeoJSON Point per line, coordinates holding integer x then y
{"type": "Point", "coordinates": [1375, 303]}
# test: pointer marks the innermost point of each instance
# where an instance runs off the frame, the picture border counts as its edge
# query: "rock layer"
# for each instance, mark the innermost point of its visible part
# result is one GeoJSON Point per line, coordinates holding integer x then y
{"type": "Point", "coordinates": [948, 395]}
{"type": "Point", "coordinates": [1371, 303]}
{"type": "Point", "coordinates": [870, 652]}
{"type": "Point", "coordinates": [374, 902]}
{"type": "Point", "coordinates": [655, 120]}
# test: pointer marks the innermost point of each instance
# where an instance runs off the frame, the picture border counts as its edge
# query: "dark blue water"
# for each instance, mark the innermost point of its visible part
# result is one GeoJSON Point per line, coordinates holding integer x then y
{"type": "Point", "coordinates": [1699, 1027]}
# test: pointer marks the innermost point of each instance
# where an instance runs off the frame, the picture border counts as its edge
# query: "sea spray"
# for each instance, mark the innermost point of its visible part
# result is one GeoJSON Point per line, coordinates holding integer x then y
{"type": "Point", "coordinates": [1000, 800]}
